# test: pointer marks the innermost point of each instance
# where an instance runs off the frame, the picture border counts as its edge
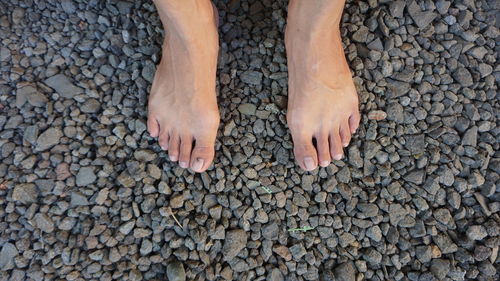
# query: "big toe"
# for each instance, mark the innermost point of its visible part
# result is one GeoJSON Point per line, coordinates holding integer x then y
{"type": "Point", "coordinates": [153, 126]}
{"type": "Point", "coordinates": [202, 155]}
{"type": "Point", "coordinates": [354, 121]}
{"type": "Point", "coordinates": [305, 153]}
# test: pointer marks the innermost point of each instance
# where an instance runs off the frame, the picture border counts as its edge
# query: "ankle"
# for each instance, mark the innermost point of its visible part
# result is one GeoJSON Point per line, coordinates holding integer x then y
{"type": "Point", "coordinates": [313, 19]}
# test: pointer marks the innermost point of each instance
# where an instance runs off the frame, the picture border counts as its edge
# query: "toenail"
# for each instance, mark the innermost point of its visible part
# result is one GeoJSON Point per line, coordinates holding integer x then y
{"type": "Point", "coordinates": [309, 163]}
{"type": "Point", "coordinates": [325, 163]}
{"type": "Point", "coordinates": [183, 164]}
{"type": "Point", "coordinates": [173, 158]}
{"type": "Point", "coordinates": [198, 165]}
{"type": "Point", "coordinates": [338, 156]}
{"type": "Point", "coordinates": [346, 144]}
{"type": "Point", "coordinates": [163, 147]}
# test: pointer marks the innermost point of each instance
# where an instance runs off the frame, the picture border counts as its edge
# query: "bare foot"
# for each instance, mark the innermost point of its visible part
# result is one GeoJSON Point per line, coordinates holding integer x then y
{"type": "Point", "coordinates": [322, 99]}
{"type": "Point", "coordinates": [182, 107]}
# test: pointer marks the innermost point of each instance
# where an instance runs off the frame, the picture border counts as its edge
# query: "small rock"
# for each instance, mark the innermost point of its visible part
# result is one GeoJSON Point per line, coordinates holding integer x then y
{"type": "Point", "coordinates": [62, 171]}
{"type": "Point", "coordinates": [372, 256]}
{"type": "Point", "coordinates": [177, 201]}
{"type": "Point", "coordinates": [175, 271]}
{"type": "Point", "coordinates": [377, 115]}
{"type": "Point", "coordinates": [463, 76]}
{"type": "Point", "coordinates": [440, 268]}
{"type": "Point", "coordinates": [68, 6]}
{"type": "Point", "coordinates": [470, 137]}
{"type": "Point", "coordinates": [421, 18]}
{"type": "Point", "coordinates": [270, 231]}
{"type": "Point", "coordinates": [78, 199]}
{"type": "Point", "coordinates": [85, 176]}
{"type": "Point", "coordinates": [146, 247]}
{"type": "Point", "coordinates": [127, 227]}
{"type": "Point", "coordinates": [235, 241]}
{"type": "Point", "coordinates": [476, 232]}
{"type": "Point", "coordinates": [44, 222]}
{"type": "Point", "coordinates": [7, 255]}
{"type": "Point", "coordinates": [18, 16]}
{"type": "Point", "coordinates": [367, 209]}
{"type": "Point", "coordinates": [423, 253]}
{"type": "Point", "coordinates": [298, 251]}
{"type": "Point", "coordinates": [345, 271]}
{"type": "Point", "coordinates": [48, 139]}
{"type": "Point", "coordinates": [251, 77]}
{"type": "Point", "coordinates": [283, 252]}
{"type": "Point", "coordinates": [275, 275]}
{"type": "Point", "coordinates": [25, 193]}
{"type": "Point", "coordinates": [145, 155]}
{"type": "Point", "coordinates": [63, 86]}
{"type": "Point", "coordinates": [396, 213]}
{"type": "Point", "coordinates": [90, 106]}
{"type": "Point", "coordinates": [247, 109]}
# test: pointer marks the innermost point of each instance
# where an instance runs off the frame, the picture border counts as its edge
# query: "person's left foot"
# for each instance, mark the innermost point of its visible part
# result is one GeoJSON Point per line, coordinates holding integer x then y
{"type": "Point", "coordinates": [322, 99]}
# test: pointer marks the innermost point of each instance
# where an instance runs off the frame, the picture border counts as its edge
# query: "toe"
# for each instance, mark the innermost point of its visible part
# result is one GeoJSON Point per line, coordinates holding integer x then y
{"type": "Point", "coordinates": [185, 152]}
{"type": "Point", "coordinates": [173, 147]}
{"type": "Point", "coordinates": [163, 139]}
{"type": "Point", "coordinates": [153, 126]}
{"type": "Point", "coordinates": [202, 155]}
{"type": "Point", "coordinates": [323, 150]}
{"type": "Point", "coordinates": [354, 121]}
{"type": "Point", "coordinates": [305, 153]}
{"type": "Point", "coordinates": [345, 134]}
{"type": "Point", "coordinates": [335, 145]}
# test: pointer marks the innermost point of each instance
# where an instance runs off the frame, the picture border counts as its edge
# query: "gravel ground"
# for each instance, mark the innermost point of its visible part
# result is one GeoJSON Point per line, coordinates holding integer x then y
{"type": "Point", "coordinates": [86, 194]}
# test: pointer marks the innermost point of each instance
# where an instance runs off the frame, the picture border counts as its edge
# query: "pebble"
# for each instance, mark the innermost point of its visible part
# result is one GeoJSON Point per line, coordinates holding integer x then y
{"type": "Point", "coordinates": [298, 251]}
{"type": "Point", "coordinates": [283, 252]}
{"type": "Point", "coordinates": [463, 76]}
{"type": "Point", "coordinates": [251, 77]}
{"type": "Point", "coordinates": [345, 271]}
{"type": "Point", "coordinates": [440, 268]}
{"type": "Point", "coordinates": [78, 199]}
{"type": "Point", "coordinates": [63, 86]}
{"type": "Point", "coordinates": [275, 275]}
{"type": "Point", "coordinates": [7, 255]}
{"type": "Point", "coordinates": [234, 242]}
{"type": "Point", "coordinates": [247, 109]}
{"type": "Point", "coordinates": [48, 139]}
{"type": "Point", "coordinates": [90, 106]}
{"type": "Point", "coordinates": [422, 18]}
{"type": "Point", "coordinates": [476, 232]}
{"type": "Point", "coordinates": [85, 176]}
{"type": "Point", "coordinates": [44, 222]}
{"type": "Point", "coordinates": [25, 193]}
{"type": "Point", "coordinates": [175, 271]}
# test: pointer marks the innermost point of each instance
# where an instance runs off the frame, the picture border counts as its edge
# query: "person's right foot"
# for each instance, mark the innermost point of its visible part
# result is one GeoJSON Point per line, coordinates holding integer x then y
{"type": "Point", "coordinates": [182, 106]}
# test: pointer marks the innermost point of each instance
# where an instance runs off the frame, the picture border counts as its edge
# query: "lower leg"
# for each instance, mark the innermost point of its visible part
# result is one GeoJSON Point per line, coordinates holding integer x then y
{"type": "Point", "coordinates": [323, 103]}
{"type": "Point", "coordinates": [182, 107]}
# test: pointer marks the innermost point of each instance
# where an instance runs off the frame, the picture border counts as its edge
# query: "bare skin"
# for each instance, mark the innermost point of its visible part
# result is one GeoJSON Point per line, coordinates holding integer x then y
{"type": "Point", "coordinates": [182, 107]}
{"type": "Point", "coordinates": [322, 99]}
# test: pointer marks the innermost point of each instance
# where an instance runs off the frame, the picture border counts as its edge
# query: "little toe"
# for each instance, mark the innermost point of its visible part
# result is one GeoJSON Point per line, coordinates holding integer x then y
{"type": "Point", "coordinates": [335, 145]}
{"type": "Point", "coordinates": [202, 155]}
{"type": "Point", "coordinates": [305, 153]}
{"type": "Point", "coordinates": [345, 134]}
{"type": "Point", "coordinates": [173, 147]}
{"type": "Point", "coordinates": [354, 121]}
{"type": "Point", "coordinates": [153, 126]}
{"type": "Point", "coordinates": [163, 140]}
{"type": "Point", "coordinates": [185, 151]}
{"type": "Point", "coordinates": [323, 148]}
